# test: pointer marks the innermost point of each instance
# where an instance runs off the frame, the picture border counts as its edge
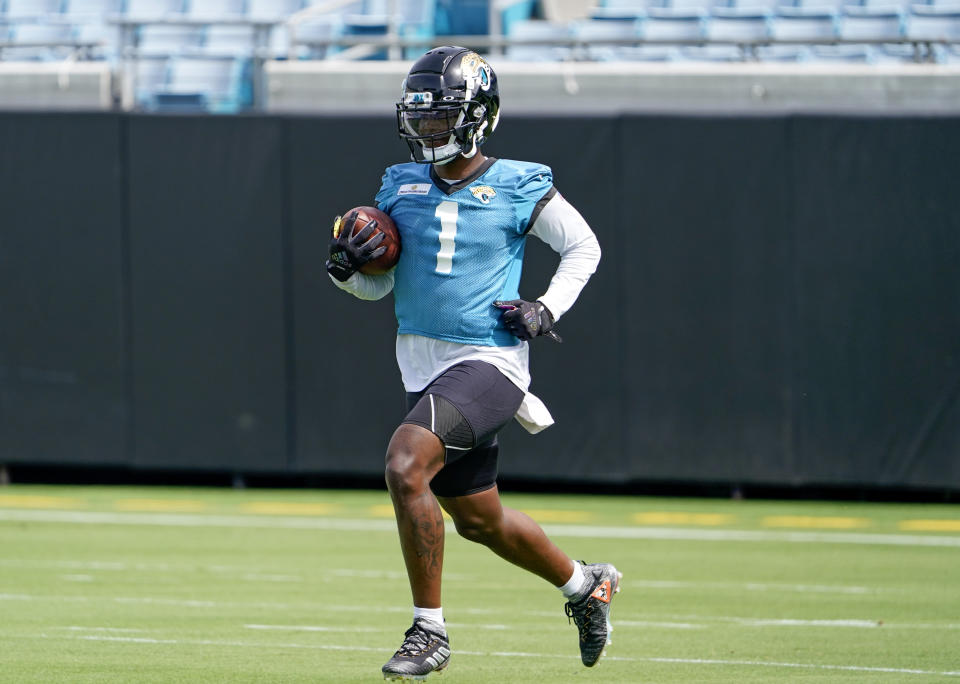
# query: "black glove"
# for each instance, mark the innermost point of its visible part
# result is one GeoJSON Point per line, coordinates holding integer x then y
{"type": "Point", "coordinates": [348, 254]}
{"type": "Point", "coordinates": [527, 320]}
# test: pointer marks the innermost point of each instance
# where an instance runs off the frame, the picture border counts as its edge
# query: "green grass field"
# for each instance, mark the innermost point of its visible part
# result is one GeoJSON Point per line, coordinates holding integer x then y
{"type": "Point", "coordinates": [141, 585]}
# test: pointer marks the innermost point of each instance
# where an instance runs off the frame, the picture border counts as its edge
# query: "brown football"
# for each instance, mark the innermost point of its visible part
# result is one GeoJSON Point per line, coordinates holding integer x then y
{"type": "Point", "coordinates": [385, 225]}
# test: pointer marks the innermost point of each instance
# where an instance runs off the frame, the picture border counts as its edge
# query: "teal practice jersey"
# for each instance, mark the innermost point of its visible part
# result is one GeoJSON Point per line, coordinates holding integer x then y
{"type": "Point", "coordinates": [461, 246]}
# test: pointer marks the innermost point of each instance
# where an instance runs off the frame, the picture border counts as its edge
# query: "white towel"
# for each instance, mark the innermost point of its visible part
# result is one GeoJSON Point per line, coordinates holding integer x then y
{"type": "Point", "coordinates": [533, 414]}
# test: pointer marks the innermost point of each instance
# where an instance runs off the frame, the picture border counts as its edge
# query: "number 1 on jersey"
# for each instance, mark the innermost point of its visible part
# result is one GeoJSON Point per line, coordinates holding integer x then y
{"type": "Point", "coordinates": [447, 213]}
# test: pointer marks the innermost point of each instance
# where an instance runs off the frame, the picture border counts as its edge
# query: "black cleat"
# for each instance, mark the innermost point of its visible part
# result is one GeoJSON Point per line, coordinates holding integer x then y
{"type": "Point", "coordinates": [425, 649]}
{"type": "Point", "coordinates": [591, 611]}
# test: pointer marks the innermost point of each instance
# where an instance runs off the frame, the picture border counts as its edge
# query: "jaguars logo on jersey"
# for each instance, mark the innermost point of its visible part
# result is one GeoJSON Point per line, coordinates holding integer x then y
{"type": "Point", "coordinates": [484, 193]}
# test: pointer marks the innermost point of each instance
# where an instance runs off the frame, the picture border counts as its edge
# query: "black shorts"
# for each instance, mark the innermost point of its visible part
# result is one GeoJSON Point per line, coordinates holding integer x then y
{"type": "Point", "coordinates": [465, 407]}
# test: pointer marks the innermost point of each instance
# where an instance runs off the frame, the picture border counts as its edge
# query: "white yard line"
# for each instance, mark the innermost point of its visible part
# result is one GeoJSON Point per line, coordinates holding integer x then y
{"type": "Point", "coordinates": [362, 525]}
{"type": "Point", "coordinates": [758, 586]}
{"type": "Point", "coordinates": [512, 655]}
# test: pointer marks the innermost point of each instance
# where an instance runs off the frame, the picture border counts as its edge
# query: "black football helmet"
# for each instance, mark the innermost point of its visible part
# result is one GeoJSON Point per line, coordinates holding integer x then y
{"type": "Point", "coordinates": [450, 105]}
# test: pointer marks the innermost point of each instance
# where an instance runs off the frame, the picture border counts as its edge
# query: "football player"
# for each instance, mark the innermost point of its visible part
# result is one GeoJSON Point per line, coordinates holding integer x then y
{"type": "Point", "coordinates": [462, 342]}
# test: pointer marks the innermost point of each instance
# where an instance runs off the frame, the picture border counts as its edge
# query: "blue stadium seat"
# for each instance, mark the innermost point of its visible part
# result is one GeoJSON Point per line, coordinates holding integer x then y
{"type": "Point", "coordinates": [224, 9]}
{"type": "Point", "coordinates": [669, 24]}
{"type": "Point", "coordinates": [150, 76]}
{"type": "Point", "coordinates": [867, 23]}
{"type": "Point", "coordinates": [731, 23]}
{"type": "Point", "coordinates": [270, 10]}
{"type": "Point", "coordinates": [621, 9]}
{"type": "Point", "coordinates": [91, 10]}
{"type": "Point", "coordinates": [803, 24]}
{"type": "Point", "coordinates": [472, 17]}
{"type": "Point", "coordinates": [539, 29]}
{"type": "Point", "coordinates": [933, 23]}
{"type": "Point", "coordinates": [768, 5]}
{"type": "Point", "coordinates": [30, 9]}
{"type": "Point", "coordinates": [842, 53]}
{"type": "Point", "coordinates": [154, 9]}
{"type": "Point", "coordinates": [107, 34]}
{"type": "Point", "coordinates": [593, 33]}
{"type": "Point", "coordinates": [39, 33]}
{"type": "Point", "coordinates": [168, 40]}
{"type": "Point", "coordinates": [228, 40]}
{"type": "Point", "coordinates": [664, 25]}
{"type": "Point", "coordinates": [214, 85]}
{"type": "Point", "coordinates": [320, 28]}
{"type": "Point", "coordinates": [687, 5]}
{"type": "Point", "coordinates": [880, 4]}
{"type": "Point", "coordinates": [870, 23]}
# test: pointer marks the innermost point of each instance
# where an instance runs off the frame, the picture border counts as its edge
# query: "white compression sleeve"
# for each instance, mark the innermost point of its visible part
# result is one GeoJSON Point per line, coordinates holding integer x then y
{"type": "Point", "coordinates": [562, 227]}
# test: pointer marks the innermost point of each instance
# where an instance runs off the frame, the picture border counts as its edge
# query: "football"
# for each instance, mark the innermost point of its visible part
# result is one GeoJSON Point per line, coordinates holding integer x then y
{"type": "Point", "coordinates": [385, 225]}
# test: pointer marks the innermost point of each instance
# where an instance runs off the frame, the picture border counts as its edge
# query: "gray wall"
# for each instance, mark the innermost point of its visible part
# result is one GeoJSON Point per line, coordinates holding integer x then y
{"type": "Point", "coordinates": [777, 301]}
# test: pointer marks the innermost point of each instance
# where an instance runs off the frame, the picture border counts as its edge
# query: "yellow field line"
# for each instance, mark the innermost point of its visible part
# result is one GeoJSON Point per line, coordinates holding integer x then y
{"type": "Point", "coordinates": [290, 508]}
{"type": "Point", "coordinates": [36, 501]}
{"type": "Point", "coordinates": [930, 525]}
{"type": "Point", "coordinates": [815, 522]}
{"type": "Point", "coordinates": [177, 505]}
{"type": "Point", "coordinates": [682, 518]}
{"type": "Point", "coordinates": [559, 516]}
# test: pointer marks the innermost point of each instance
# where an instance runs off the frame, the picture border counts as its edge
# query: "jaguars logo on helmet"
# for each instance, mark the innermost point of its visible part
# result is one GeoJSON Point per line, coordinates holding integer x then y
{"type": "Point", "coordinates": [450, 105]}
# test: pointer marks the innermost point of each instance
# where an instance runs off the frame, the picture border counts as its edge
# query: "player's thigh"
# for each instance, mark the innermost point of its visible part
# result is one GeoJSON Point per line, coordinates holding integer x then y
{"type": "Point", "coordinates": [465, 406]}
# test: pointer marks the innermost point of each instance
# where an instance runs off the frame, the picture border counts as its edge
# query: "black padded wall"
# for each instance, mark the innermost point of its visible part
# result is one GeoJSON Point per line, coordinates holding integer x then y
{"type": "Point", "coordinates": [63, 352]}
{"type": "Point", "coordinates": [777, 300]}
{"type": "Point", "coordinates": [206, 223]}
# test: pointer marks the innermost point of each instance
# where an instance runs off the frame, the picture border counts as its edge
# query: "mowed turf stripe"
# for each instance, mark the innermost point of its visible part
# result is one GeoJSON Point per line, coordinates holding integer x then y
{"type": "Point", "coordinates": [598, 532]}
{"type": "Point", "coordinates": [512, 654]}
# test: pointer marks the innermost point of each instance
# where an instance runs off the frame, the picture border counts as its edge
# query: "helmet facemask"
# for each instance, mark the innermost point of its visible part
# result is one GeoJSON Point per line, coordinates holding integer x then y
{"type": "Point", "coordinates": [439, 132]}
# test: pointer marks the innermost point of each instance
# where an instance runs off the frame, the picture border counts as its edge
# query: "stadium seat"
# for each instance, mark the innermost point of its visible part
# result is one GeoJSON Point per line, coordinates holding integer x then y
{"type": "Point", "coordinates": [317, 29]}
{"type": "Point", "coordinates": [39, 33]}
{"type": "Point", "coordinates": [790, 23]}
{"type": "Point", "coordinates": [472, 17]}
{"type": "Point", "coordinates": [933, 23]}
{"type": "Point", "coordinates": [213, 9]}
{"type": "Point", "coordinates": [165, 39]}
{"type": "Point", "coordinates": [91, 10]}
{"type": "Point", "coordinates": [870, 23]}
{"type": "Point", "coordinates": [879, 4]}
{"type": "Point", "coordinates": [106, 34]}
{"type": "Point", "coordinates": [214, 85]}
{"type": "Point", "coordinates": [29, 9]}
{"type": "Point", "coordinates": [669, 24]}
{"type": "Point", "coordinates": [228, 40]}
{"type": "Point", "coordinates": [842, 53]}
{"type": "Point", "coordinates": [687, 5]}
{"type": "Point", "coordinates": [733, 24]}
{"type": "Point", "coordinates": [591, 35]}
{"type": "Point", "coordinates": [867, 23]}
{"type": "Point", "coordinates": [272, 10]}
{"type": "Point", "coordinates": [153, 9]}
{"type": "Point", "coordinates": [150, 76]}
{"type": "Point", "coordinates": [665, 25]}
{"type": "Point", "coordinates": [539, 29]}
{"type": "Point", "coordinates": [768, 5]}
{"type": "Point", "coordinates": [620, 9]}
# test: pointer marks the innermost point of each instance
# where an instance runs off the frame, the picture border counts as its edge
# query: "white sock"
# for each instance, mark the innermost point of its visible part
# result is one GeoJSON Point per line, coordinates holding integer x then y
{"type": "Point", "coordinates": [431, 614]}
{"type": "Point", "coordinates": [575, 584]}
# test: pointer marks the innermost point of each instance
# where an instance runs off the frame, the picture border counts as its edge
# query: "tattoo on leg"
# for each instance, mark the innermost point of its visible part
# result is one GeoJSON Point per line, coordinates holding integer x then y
{"type": "Point", "coordinates": [427, 525]}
